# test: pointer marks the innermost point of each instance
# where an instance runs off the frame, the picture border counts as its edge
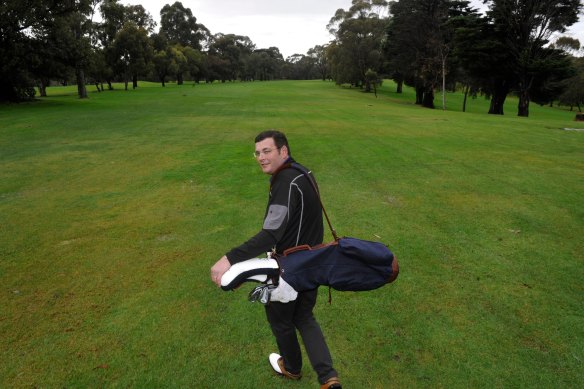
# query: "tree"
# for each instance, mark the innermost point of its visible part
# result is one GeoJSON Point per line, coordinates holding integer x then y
{"type": "Point", "coordinates": [193, 64]}
{"type": "Point", "coordinates": [264, 64]}
{"type": "Point", "coordinates": [132, 51]}
{"type": "Point", "coordinates": [167, 59]}
{"type": "Point", "coordinates": [232, 50]}
{"type": "Point", "coordinates": [114, 17]}
{"type": "Point", "coordinates": [252, 64]}
{"type": "Point", "coordinates": [99, 70]}
{"type": "Point", "coordinates": [140, 17]}
{"type": "Point", "coordinates": [45, 60]}
{"type": "Point", "coordinates": [343, 70]}
{"type": "Point", "coordinates": [373, 79]}
{"type": "Point", "coordinates": [180, 26]}
{"type": "Point", "coordinates": [318, 55]}
{"type": "Point", "coordinates": [525, 27]}
{"type": "Point", "coordinates": [568, 44]}
{"type": "Point", "coordinates": [181, 63]}
{"type": "Point", "coordinates": [487, 64]}
{"type": "Point", "coordinates": [573, 87]}
{"type": "Point", "coordinates": [549, 83]}
{"type": "Point", "coordinates": [72, 31]}
{"type": "Point", "coordinates": [358, 36]}
{"type": "Point", "coordinates": [23, 24]}
{"type": "Point", "coordinates": [300, 67]}
{"type": "Point", "coordinates": [419, 43]}
{"type": "Point", "coordinates": [17, 19]}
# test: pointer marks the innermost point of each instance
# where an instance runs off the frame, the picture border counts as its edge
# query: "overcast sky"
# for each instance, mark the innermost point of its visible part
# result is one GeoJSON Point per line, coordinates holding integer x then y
{"type": "Point", "coordinates": [294, 26]}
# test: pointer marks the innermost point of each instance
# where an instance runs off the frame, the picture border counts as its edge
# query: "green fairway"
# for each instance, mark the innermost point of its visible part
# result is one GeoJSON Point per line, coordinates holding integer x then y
{"type": "Point", "coordinates": [113, 209]}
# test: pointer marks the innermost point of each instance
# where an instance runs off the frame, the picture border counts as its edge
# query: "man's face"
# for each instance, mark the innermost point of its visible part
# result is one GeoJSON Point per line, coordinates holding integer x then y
{"type": "Point", "coordinates": [269, 156]}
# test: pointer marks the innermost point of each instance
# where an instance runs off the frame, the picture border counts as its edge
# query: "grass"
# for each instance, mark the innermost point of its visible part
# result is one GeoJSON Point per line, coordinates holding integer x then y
{"type": "Point", "coordinates": [113, 209]}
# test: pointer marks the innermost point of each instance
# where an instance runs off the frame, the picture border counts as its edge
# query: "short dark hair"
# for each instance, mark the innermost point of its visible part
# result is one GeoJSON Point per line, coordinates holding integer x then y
{"type": "Point", "coordinates": [279, 138]}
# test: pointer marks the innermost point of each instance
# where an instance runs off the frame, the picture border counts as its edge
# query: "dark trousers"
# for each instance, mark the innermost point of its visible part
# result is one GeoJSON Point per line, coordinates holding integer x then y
{"type": "Point", "coordinates": [285, 319]}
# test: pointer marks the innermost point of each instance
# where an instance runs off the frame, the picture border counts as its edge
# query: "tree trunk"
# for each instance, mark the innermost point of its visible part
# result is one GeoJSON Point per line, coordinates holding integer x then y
{"type": "Point", "coordinates": [428, 100]}
{"type": "Point", "coordinates": [466, 89]}
{"type": "Point", "coordinates": [498, 99]}
{"type": "Point", "coordinates": [419, 95]}
{"type": "Point", "coordinates": [400, 86]}
{"type": "Point", "coordinates": [497, 103]}
{"type": "Point", "coordinates": [134, 81]}
{"type": "Point", "coordinates": [80, 75]}
{"type": "Point", "coordinates": [179, 78]}
{"type": "Point", "coordinates": [97, 86]}
{"type": "Point", "coordinates": [109, 85]}
{"type": "Point", "coordinates": [525, 84]}
{"type": "Point", "coordinates": [367, 86]}
{"type": "Point", "coordinates": [523, 107]}
{"type": "Point", "coordinates": [444, 83]}
{"type": "Point", "coordinates": [43, 87]}
{"type": "Point", "coordinates": [42, 90]}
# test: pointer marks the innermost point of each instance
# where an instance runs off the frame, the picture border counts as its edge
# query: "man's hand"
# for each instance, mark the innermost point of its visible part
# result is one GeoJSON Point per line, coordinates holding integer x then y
{"type": "Point", "coordinates": [219, 269]}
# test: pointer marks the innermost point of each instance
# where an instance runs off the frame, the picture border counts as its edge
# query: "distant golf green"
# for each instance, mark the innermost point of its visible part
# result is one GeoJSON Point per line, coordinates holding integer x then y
{"type": "Point", "coordinates": [113, 209]}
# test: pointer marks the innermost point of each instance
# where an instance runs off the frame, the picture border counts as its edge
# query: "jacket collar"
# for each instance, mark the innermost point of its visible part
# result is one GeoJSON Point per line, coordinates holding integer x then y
{"type": "Point", "coordinates": [285, 165]}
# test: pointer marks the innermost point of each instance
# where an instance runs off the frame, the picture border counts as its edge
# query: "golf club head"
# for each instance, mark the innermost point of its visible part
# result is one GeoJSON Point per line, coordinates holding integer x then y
{"type": "Point", "coordinates": [265, 295]}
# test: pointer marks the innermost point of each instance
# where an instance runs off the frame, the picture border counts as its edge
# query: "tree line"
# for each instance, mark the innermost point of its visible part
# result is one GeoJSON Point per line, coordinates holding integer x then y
{"type": "Point", "coordinates": [44, 41]}
{"type": "Point", "coordinates": [430, 45]}
{"type": "Point", "coordinates": [441, 45]}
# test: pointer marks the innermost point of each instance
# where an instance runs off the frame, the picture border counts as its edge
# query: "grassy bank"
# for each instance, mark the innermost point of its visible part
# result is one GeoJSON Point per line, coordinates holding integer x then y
{"type": "Point", "coordinates": [112, 210]}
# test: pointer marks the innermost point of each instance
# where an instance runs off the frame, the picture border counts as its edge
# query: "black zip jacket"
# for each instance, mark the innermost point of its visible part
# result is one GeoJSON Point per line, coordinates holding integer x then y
{"type": "Point", "coordinates": [293, 217]}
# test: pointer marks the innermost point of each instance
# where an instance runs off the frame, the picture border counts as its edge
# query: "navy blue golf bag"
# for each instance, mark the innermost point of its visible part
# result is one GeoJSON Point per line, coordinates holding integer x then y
{"type": "Point", "coordinates": [347, 264]}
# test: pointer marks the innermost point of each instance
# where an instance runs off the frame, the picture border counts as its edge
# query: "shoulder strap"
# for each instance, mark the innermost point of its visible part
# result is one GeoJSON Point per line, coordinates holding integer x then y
{"type": "Point", "coordinates": [306, 174]}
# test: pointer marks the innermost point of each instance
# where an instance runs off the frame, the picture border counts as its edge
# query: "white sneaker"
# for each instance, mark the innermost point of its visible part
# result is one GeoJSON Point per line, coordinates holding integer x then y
{"type": "Point", "coordinates": [277, 363]}
{"type": "Point", "coordinates": [273, 358]}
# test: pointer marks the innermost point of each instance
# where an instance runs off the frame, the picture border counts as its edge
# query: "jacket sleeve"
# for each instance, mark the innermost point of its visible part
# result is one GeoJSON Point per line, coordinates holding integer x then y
{"type": "Point", "coordinates": [280, 204]}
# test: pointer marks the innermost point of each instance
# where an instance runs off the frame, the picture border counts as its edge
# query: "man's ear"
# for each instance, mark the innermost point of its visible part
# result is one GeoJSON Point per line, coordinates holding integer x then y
{"type": "Point", "coordinates": [285, 148]}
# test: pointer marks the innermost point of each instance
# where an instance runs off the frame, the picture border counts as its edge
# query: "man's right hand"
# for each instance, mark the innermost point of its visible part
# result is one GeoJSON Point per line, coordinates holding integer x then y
{"type": "Point", "coordinates": [218, 269]}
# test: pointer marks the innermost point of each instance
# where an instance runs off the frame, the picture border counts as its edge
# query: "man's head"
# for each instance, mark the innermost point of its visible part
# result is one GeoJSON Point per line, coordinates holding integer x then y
{"type": "Point", "coordinates": [271, 150]}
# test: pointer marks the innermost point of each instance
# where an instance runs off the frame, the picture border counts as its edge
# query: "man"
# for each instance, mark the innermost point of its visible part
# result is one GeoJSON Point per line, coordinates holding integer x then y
{"type": "Point", "coordinates": [293, 217]}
